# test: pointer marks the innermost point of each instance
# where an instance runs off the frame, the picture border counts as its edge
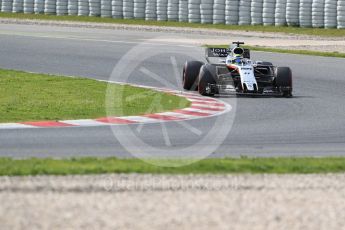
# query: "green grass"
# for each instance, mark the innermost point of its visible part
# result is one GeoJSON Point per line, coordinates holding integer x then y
{"type": "Point", "coordinates": [32, 97]}
{"type": "Point", "coordinates": [275, 50]}
{"type": "Point", "coordinates": [303, 52]}
{"type": "Point", "coordinates": [83, 166]}
{"type": "Point", "coordinates": [281, 29]}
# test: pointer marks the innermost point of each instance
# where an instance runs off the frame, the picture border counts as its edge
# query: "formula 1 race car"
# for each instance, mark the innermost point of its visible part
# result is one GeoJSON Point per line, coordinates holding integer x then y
{"type": "Point", "coordinates": [235, 73]}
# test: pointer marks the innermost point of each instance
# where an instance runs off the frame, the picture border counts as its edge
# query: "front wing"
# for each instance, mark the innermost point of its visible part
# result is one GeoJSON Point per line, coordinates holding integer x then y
{"type": "Point", "coordinates": [230, 90]}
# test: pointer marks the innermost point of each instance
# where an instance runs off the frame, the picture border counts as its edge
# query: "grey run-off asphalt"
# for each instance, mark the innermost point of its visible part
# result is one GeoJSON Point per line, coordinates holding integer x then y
{"type": "Point", "coordinates": [310, 124]}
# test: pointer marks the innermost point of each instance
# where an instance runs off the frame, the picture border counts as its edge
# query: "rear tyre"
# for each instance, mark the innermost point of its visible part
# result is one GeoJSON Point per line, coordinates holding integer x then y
{"type": "Point", "coordinates": [190, 74]}
{"type": "Point", "coordinates": [283, 80]}
{"type": "Point", "coordinates": [207, 76]}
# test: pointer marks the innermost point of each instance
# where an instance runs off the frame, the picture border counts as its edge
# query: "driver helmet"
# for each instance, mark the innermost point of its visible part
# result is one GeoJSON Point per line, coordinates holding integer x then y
{"type": "Point", "coordinates": [238, 54]}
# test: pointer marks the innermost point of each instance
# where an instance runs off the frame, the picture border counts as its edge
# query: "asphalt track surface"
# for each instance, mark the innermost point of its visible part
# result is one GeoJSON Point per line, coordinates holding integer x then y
{"type": "Point", "coordinates": [309, 124]}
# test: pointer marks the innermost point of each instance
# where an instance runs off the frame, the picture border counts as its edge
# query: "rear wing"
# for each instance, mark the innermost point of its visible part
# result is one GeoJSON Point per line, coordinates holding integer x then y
{"type": "Point", "coordinates": [222, 53]}
{"type": "Point", "coordinates": [217, 52]}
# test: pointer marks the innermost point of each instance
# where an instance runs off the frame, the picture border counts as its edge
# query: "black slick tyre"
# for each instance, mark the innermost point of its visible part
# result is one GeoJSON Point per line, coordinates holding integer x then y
{"type": "Point", "coordinates": [207, 76]}
{"type": "Point", "coordinates": [283, 80]}
{"type": "Point", "coordinates": [190, 74]}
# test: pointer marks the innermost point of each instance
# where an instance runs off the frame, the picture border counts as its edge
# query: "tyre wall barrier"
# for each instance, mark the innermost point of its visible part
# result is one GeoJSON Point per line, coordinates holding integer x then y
{"type": "Point", "coordinates": [330, 13]}
{"type": "Point", "coordinates": [318, 14]}
{"type": "Point", "coordinates": [341, 14]}
{"type": "Point", "coordinates": [292, 12]}
{"type": "Point", "coordinates": [206, 11]}
{"type": "Point", "coordinates": [162, 10]}
{"type": "Point", "coordinates": [231, 12]}
{"type": "Point", "coordinates": [183, 11]}
{"type": "Point", "coordinates": [28, 6]}
{"type": "Point", "coordinates": [280, 13]}
{"type": "Point", "coordinates": [244, 8]}
{"type": "Point", "coordinates": [303, 13]}
{"type": "Point", "coordinates": [256, 12]}
{"type": "Point", "coordinates": [194, 11]}
{"type": "Point", "coordinates": [61, 7]}
{"type": "Point", "coordinates": [173, 10]}
{"type": "Point", "coordinates": [106, 8]}
{"type": "Point", "coordinates": [151, 10]}
{"type": "Point", "coordinates": [94, 8]}
{"type": "Point", "coordinates": [6, 6]}
{"type": "Point", "coordinates": [39, 6]}
{"type": "Point", "coordinates": [268, 12]}
{"type": "Point", "coordinates": [219, 7]}
{"type": "Point", "coordinates": [50, 6]}
{"type": "Point", "coordinates": [17, 6]}
{"type": "Point", "coordinates": [83, 7]}
{"type": "Point", "coordinates": [117, 8]}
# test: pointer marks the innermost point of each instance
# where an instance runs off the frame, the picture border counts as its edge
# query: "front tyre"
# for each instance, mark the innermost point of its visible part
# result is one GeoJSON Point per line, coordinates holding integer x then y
{"type": "Point", "coordinates": [207, 76]}
{"type": "Point", "coordinates": [283, 80]}
{"type": "Point", "coordinates": [190, 74]}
